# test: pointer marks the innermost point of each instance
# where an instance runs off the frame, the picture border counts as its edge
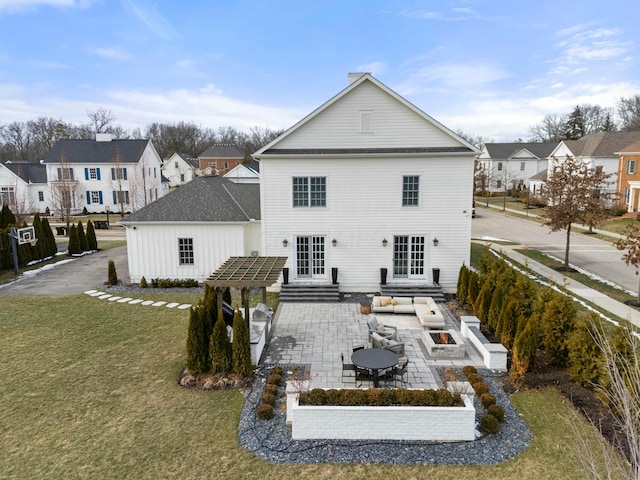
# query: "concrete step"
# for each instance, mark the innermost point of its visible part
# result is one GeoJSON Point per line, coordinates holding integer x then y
{"type": "Point", "coordinates": [305, 292]}
{"type": "Point", "coordinates": [412, 290]}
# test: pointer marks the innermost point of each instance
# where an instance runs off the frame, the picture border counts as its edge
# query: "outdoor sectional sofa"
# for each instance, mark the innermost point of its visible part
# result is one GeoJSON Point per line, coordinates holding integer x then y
{"type": "Point", "coordinates": [425, 308]}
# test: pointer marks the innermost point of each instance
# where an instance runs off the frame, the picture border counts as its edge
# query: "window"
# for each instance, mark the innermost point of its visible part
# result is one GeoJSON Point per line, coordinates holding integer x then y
{"type": "Point", "coordinates": [631, 166]}
{"type": "Point", "coordinates": [182, 178]}
{"type": "Point", "coordinates": [65, 174]}
{"type": "Point", "coordinates": [366, 122]}
{"type": "Point", "coordinates": [521, 183]}
{"type": "Point", "coordinates": [410, 190]}
{"type": "Point", "coordinates": [92, 174]}
{"type": "Point", "coordinates": [7, 196]}
{"type": "Point", "coordinates": [226, 164]}
{"type": "Point", "coordinates": [121, 196]}
{"type": "Point", "coordinates": [176, 164]}
{"type": "Point", "coordinates": [118, 174]}
{"type": "Point", "coordinates": [185, 251]}
{"type": "Point", "coordinates": [498, 183]}
{"type": "Point", "coordinates": [213, 164]}
{"type": "Point", "coordinates": [94, 197]}
{"type": "Point", "coordinates": [40, 196]}
{"type": "Point", "coordinates": [155, 172]}
{"type": "Point", "coordinates": [626, 194]}
{"type": "Point", "coordinates": [522, 165]}
{"type": "Point", "coordinates": [309, 191]}
{"type": "Point", "coordinates": [499, 166]}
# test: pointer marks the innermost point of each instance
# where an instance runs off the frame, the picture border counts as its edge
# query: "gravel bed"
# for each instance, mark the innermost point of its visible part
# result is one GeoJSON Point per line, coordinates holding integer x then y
{"type": "Point", "coordinates": [136, 290]}
{"type": "Point", "coordinates": [271, 440]}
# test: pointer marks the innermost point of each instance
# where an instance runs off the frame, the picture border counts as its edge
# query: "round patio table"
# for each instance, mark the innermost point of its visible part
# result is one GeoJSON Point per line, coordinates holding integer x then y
{"type": "Point", "coordinates": [374, 359]}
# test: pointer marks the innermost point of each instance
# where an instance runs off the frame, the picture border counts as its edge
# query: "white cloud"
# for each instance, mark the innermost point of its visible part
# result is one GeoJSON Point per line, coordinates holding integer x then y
{"type": "Point", "coordinates": [375, 68]}
{"type": "Point", "coordinates": [20, 6]}
{"type": "Point", "coordinates": [48, 64]}
{"type": "Point", "coordinates": [114, 53]}
{"type": "Point", "coordinates": [150, 16]}
{"type": "Point", "coordinates": [584, 43]}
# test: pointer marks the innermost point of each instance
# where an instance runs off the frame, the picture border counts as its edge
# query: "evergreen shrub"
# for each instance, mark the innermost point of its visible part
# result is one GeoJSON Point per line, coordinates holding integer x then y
{"type": "Point", "coordinates": [486, 399]}
{"type": "Point", "coordinates": [112, 277]}
{"type": "Point", "coordinates": [274, 379]}
{"type": "Point", "coordinates": [269, 399]}
{"type": "Point", "coordinates": [143, 282]}
{"type": "Point", "coordinates": [497, 411]}
{"type": "Point", "coordinates": [489, 424]}
{"type": "Point", "coordinates": [265, 412]}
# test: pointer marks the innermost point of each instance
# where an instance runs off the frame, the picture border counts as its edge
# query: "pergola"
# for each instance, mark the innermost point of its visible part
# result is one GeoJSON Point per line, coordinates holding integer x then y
{"type": "Point", "coordinates": [244, 273]}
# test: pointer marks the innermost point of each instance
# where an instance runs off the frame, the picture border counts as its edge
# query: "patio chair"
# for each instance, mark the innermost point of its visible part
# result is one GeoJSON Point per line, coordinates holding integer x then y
{"type": "Point", "coordinates": [357, 347]}
{"type": "Point", "coordinates": [347, 367]}
{"type": "Point", "coordinates": [385, 331]}
{"type": "Point", "coordinates": [378, 341]}
{"type": "Point", "coordinates": [400, 370]}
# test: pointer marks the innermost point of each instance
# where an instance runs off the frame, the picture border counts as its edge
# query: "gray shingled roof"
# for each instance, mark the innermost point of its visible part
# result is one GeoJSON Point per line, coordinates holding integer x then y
{"type": "Point", "coordinates": [602, 144]}
{"type": "Point", "coordinates": [203, 199]}
{"type": "Point", "coordinates": [29, 172]}
{"type": "Point", "coordinates": [222, 150]}
{"type": "Point", "coordinates": [507, 150]}
{"type": "Point", "coordinates": [83, 151]}
{"type": "Point", "coordinates": [193, 162]}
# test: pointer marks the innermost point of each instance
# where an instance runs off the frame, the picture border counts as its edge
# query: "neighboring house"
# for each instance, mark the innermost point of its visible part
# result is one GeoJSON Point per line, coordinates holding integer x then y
{"type": "Point", "coordinates": [219, 159]}
{"type": "Point", "coordinates": [503, 166]}
{"type": "Point", "coordinates": [124, 175]}
{"type": "Point", "coordinates": [245, 173]}
{"type": "Point", "coordinates": [23, 187]}
{"type": "Point", "coordinates": [179, 169]}
{"type": "Point", "coordinates": [191, 231]}
{"type": "Point", "coordinates": [628, 185]}
{"type": "Point", "coordinates": [597, 150]}
{"type": "Point", "coordinates": [368, 181]}
{"type": "Point", "coordinates": [537, 181]}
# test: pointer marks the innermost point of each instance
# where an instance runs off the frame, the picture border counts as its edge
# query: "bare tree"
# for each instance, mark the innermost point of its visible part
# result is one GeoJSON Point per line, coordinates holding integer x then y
{"type": "Point", "coordinates": [100, 120]}
{"type": "Point", "coordinates": [631, 244]}
{"type": "Point", "coordinates": [65, 190]}
{"type": "Point", "coordinates": [551, 129]}
{"type": "Point", "coordinates": [120, 184]}
{"type": "Point", "coordinates": [629, 113]}
{"type": "Point", "coordinates": [473, 139]}
{"type": "Point", "coordinates": [18, 141]}
{"type": "Point", "coordinates": [569, 189]}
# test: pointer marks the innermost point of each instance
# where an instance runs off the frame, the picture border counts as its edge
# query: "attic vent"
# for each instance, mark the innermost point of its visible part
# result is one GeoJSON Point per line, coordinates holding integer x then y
{"type": "Point", "coordinates": [366, 121]}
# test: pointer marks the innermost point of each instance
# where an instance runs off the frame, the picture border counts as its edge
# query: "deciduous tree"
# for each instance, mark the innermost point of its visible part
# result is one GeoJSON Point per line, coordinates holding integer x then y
{"type": "Point", "coordinates": [631, 244]}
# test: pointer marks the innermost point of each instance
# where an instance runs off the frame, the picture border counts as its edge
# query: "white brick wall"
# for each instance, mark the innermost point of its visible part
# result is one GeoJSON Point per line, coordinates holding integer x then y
{"type": "Point", "coordinates": [384, 423]}
{"type": "Point", "coordinates": [494, 355]}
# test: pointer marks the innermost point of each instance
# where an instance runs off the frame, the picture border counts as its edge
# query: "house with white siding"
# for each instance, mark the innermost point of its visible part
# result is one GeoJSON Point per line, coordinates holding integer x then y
{"type": "Point", "coordinates": [179, 169]}
{"type": "Point", "coordinates": [194, 229]}
{"type": "Point", "coordinates": [364, 182]}
{"type": "Point", "coordinates": [245, 173]}
{"type": "Point", "coordinates": [23, 187]}
{"type": "Point", "coordinates": [105, 173]}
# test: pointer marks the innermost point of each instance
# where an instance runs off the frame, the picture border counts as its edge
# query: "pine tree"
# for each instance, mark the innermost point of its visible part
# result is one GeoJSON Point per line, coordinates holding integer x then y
{"type": "Point", "coordinates": [585, 362]}
{"type": "Point", "coordinates": [473, 288]}
{"type": "Point", "coordinates": [7, 217]}
{"type": "Point", "coordinates": [40, 248]}
{"type": "Point", "coordinates": [481, 307]}
{"type": "Point", "coordinates": [92, 242]}
{"type": "Point", "coordinates": [74, 242]}
{"type": "Point", "coordinates": [463, 283]}
{"type": "Point", "coordinates": [241, 346]}
{"type": "Point", "coordinates": [557, 323]}
{"type": "Point", "coordinates": [220, 349]}
{"type": "Point", "coordinates": [525, 347]}
{"type": "Point", "coordinates": [49, 238]}
{"type": "Point", "coordinates": [82, 238]}
{"type": "Point", "coordinates": [507, 324]}
{"type": "Point", "coordinates": [112, 276]}
{"type": "Point", "coordinates": [197, 344]}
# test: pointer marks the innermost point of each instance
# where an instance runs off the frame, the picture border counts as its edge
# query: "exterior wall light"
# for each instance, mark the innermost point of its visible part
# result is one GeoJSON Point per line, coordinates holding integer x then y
{"type": "Point", "coordinates": [285, 242]}
{"type": "Point", "coordinates": [384, 242]}
{"type": "Point", "coordinates": [334, 242]}
{"type": "Point", "coordinates": [435, 241]}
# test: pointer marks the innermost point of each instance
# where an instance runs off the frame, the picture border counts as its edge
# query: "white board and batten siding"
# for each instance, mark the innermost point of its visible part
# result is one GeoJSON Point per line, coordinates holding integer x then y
{"type": "Point", "coordinates": [364, 206]}
{"type": "Point", "coordinates": [213, 244]}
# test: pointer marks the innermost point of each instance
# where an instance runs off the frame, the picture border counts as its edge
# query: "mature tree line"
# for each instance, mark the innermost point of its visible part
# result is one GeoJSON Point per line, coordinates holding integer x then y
{"type": "Point", "coordinates": [31, 141]}
{"type": "Point", "coordinates": [586, 118]}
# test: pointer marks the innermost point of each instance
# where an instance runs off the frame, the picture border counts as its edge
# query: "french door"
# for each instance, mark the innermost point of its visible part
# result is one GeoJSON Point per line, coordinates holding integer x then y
{"type": "Point", "coordinates": [408, 256]}
{"type": "Point", "coordinates": [310, 256]}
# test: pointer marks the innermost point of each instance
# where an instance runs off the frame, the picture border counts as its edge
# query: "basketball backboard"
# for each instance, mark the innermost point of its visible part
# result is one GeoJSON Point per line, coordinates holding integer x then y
{"type": "Point", "coordinates": [26, 235]}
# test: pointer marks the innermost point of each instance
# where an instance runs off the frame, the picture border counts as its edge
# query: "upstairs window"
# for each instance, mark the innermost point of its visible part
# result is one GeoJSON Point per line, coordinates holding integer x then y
{"type": "Point", "coordinates": [410, 190]}
{"type": "Point", "coordinates": [522, 165]}
{"type": "Point", "coordinates": [632, 166]}
{"type": "Point", "coordinates": [118, 174]}
{"type": "Point", "coordinates": [499, 166]}
{"type": "Point", "coordinates": [40, 196]}
{"type": "Point", "coordinates": [309, 191]}
{"type": "Point", "coordinates": [7, 196]}
{"type": "Point", "coordinates": [92, 174]}
{"type": "Point", "coordinates": [65, 174]}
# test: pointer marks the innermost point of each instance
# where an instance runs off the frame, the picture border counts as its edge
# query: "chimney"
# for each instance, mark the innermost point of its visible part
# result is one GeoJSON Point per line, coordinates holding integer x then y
{"type": "Point", "coordinates": [355, 76]}
{"type": "Point", "coordinates": [103, 137]}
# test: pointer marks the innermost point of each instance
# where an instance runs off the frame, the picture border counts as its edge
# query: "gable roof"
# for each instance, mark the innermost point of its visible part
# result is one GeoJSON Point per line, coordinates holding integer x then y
{"type": "Point", "coordinates": [203, 199]}
{"type": "Point", "coordinates": [508, 150]}
{"type": "Point", "coordinates": [633, 149]}
{"type": "Point", "coordinates": [454, 143]}
{"type": "Point", "coordinates": [601, 144]}
{"type": "Point", "coordinates": [222, 150]}
{"type": "Point", "coordinates": [192, 162]}
{"type": "Point", "coordinates": [29, 172]}
{"type": "Point", "coordinates": [91, 151]}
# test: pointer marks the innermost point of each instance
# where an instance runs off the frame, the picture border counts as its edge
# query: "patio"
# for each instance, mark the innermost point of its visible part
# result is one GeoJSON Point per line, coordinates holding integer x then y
{"type": "Point", "coordinates": [315, 334]}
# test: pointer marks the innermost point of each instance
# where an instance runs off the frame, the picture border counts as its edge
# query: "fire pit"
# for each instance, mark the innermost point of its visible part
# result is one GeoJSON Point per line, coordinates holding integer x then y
{"type": "Point", "coordinates": [444, 343]}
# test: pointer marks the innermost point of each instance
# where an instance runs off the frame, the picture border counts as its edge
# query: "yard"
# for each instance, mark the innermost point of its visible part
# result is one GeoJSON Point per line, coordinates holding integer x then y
{"type": "Point", "coordinates": [89, 390]}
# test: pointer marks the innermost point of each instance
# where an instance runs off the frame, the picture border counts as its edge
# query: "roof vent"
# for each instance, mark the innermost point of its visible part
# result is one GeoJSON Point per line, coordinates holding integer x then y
{"type": "Point", "coordinates": [103, 137]}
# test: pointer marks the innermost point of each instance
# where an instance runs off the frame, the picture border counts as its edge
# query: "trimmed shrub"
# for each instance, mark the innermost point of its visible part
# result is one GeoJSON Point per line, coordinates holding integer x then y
{"type": "Point", "coordinates": [220, 349]}
{"type": "Point", "coordinates": [143, 282]}
{"type": "Point", "coordinates": [91, 236]}
{"type": "Point", "coordinates": [463, 283]}
{"type": "Point", "coordinates": [497, 411]}
{"type": "Point", "coordinates": [265, 412]}
{"type": "Point", "coordinates": [274, 379]}
{"type": "Point", "coordinates": [241, 348]}
{"type": "Point", "coordinates": [317, 396]}
{"type": "Point", "coordinates": [486, 399]}
{"type": "Point", "coordinates": [480, 388]}
{"type": "Point", "coordinates": [197, 342]}
{"type": "Point", "coordinates": [82, 238]}
{"type": "Point", "coordinates": [381, 397]}
{"type": "Point", "coordinates": [270, 388]}
{"type": "Point", "coordinates": [74, 242]}
{"type": "Point", "coordinates": [557, 323]}
{"type": "Point", "coordinates": [489, 424]}
{"type": "Point", "coordinates": [276, 371]}
{"type": "Point", "coordinates": [112, 276]}
{"type": "Point", "coordinates": [269, 399]}
{"type": "Point", "coordinates": [474, 378]}
{"type": "Point", "coordinates": [468, 369]}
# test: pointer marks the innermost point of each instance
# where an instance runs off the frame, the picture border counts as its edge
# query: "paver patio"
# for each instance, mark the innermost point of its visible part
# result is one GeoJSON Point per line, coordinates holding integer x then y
{"type": "Point", "coordinates": [315, 334]}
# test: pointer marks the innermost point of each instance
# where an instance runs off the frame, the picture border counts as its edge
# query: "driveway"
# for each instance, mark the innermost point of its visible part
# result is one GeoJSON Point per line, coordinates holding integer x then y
{"type": "Point", "coordinates": [77, 275]}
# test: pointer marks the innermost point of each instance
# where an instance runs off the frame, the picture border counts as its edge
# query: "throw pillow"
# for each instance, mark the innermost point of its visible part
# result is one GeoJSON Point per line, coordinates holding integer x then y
{"type": "Point", "coordinates": [384, 302]}
{"type": "Point", "coordinates": [394, 301]}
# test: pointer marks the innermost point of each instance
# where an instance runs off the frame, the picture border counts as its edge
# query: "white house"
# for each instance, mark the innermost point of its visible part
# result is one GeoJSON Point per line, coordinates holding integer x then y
{"type": "Point", "coordinates": [179, 169]}
{"type": "Point", "coordinates": [23, 187]}
{"type": "Point", "coordinates": [123, 175]}
{"type": "Point", "coordinates": [502, 166]}
{"type": "Point", "coordinates": [368, 181]}
{"type": "Point", "coordinates": [191, 231]}
{"type": "Point", "coordinates": [245, 173]}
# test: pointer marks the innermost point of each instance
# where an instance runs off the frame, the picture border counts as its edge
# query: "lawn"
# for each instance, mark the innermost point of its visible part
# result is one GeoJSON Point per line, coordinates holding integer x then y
{"type": "Point", "coordinates": [88, 390]}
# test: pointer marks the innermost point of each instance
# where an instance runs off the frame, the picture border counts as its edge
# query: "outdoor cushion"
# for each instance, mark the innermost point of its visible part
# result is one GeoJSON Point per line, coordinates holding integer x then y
{"type": "Point", "coordinates": [394, 301]}
{"type": "Point", "coordinates": [384, 302]}
{"type": "Point", "coordinates": [422, 300]}
{"type": "Point", "coordinates": [403, 300]}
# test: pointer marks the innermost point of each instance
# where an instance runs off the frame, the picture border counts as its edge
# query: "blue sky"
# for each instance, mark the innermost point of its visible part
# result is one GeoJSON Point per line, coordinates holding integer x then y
{"type": "Point", "coordinates": [490, 68]}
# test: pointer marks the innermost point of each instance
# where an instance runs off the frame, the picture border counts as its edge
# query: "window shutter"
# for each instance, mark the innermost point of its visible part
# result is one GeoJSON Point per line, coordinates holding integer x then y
{"type": "Point", "coordinates": [100, 196]}
{"type": "Point", "coordinates": [71, 174]}
{"type": "Point", "coordinates": [98, 175]}
{"type": "Point", "coordinates": [86, 174]}
{"type": "Point", "coordinates": [88, 197]}
{"type": "Point", "coordinates": [126, 197]}
{"type": "Point", "coordinates": [115, 195]}
{"type": "Point", "coordinates": [124, 173]}
{"type": "Point", "coordinates": [113, 177]}
{"type": "Point", "coordinates": [59, 174]}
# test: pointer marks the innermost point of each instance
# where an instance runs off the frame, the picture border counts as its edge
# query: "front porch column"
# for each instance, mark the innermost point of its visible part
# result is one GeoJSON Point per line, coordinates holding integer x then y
{"type": "Point", "coordinates": [632, 199]}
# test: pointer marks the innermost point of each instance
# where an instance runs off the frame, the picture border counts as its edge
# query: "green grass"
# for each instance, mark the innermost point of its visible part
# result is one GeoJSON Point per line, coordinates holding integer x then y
{"type": "Point", "coordinates": [89, 390]}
